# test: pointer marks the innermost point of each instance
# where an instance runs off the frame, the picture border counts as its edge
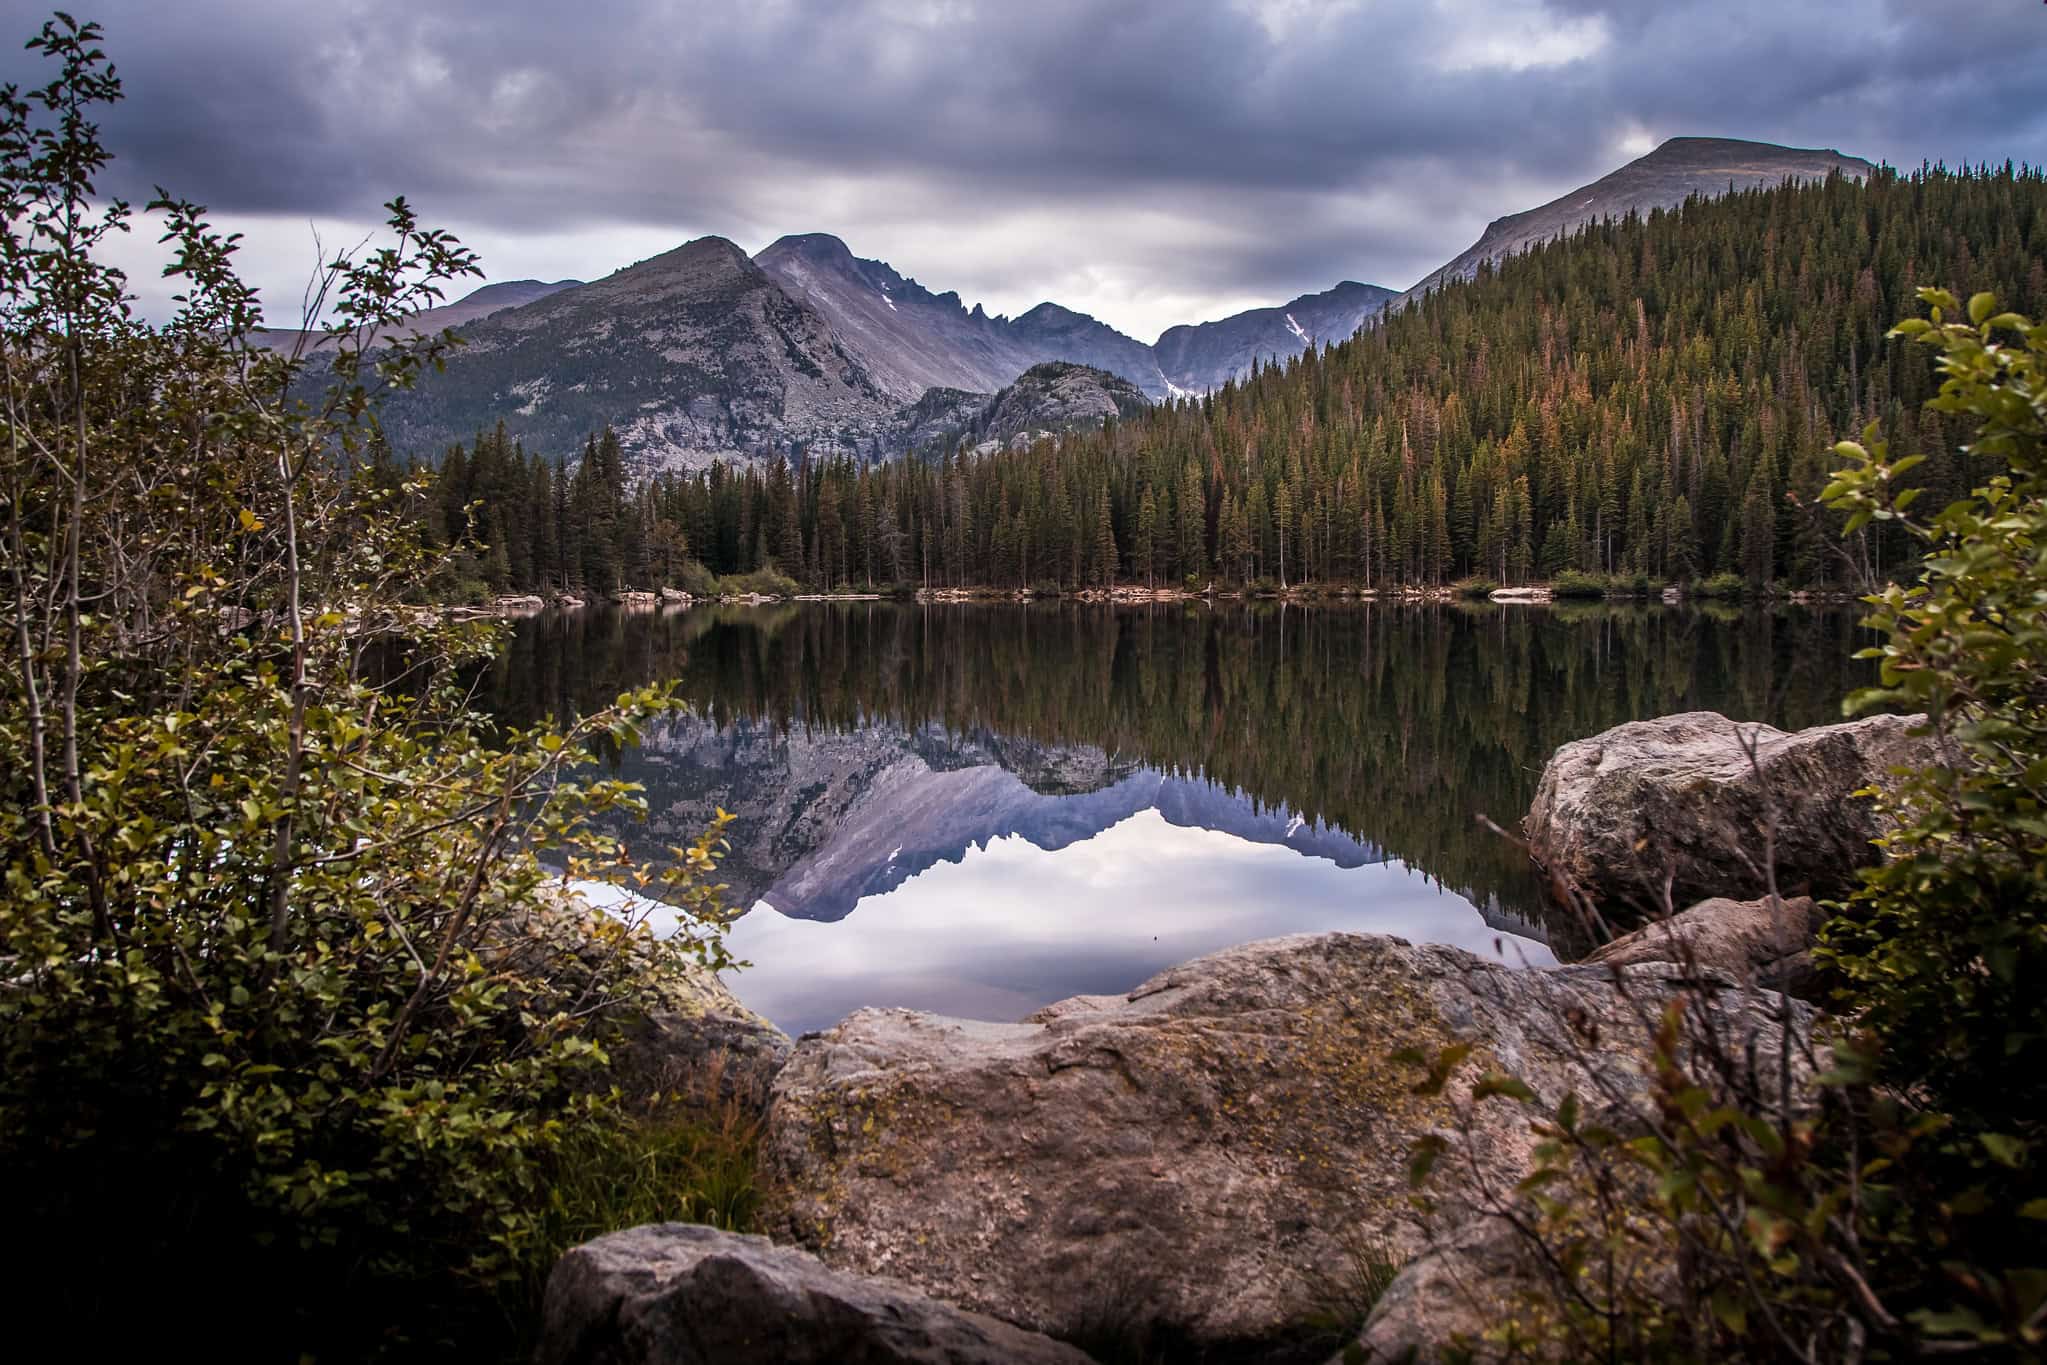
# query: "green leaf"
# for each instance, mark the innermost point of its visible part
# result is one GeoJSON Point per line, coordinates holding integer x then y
{"type": "Point", "coordinates": [1422, 1160]}
{"type": "Point", "coordinates": [1499, 1083]}
{"type": "Point", "coordinates": [2005, 1150]}
{"type": "Point", "coordinates": [1731, 1312]}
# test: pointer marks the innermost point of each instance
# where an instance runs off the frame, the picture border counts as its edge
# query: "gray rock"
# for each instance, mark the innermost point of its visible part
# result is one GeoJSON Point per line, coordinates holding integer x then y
{"type": "Point", "coordinates": [1758, 942]}
{"type": "Point", "coordinates": [1480, 1269]}
{"type": "Point", "coordinates": [1665, 812]}
{"type": "Point", "coordinates": [1482, 1275]}
{"type": "Point", "coordinates": [679, 1294]}
{"type": "Point", "coordinates": [1454, 1290]}
{"type": "Point", "coordinates": [711, 1053]}
{"type": "Point", "coordinates": [1202, 1151]}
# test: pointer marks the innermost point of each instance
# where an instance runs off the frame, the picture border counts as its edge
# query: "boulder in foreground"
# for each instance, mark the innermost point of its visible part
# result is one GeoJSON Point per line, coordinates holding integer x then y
{"type": "Point", "coordinates": [679, 1294]}
{"type": "Point", "coordinates": [1198, 1160]}
{"type": "Point", "coordinates": [1661, 813]}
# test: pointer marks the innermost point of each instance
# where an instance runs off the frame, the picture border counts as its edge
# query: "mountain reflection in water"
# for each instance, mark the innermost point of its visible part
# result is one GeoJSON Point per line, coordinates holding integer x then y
{"type": "Point", "coordinates": [979, 810]}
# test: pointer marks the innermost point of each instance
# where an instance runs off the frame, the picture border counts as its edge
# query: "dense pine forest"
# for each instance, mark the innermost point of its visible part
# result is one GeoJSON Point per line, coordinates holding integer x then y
{"type": "Point", "coordinates": [1651, 398]}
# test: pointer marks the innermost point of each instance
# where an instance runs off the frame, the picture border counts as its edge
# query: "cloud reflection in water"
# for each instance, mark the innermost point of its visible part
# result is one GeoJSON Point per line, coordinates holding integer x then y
{"type": "Point", "coordinates": [1012, 927]}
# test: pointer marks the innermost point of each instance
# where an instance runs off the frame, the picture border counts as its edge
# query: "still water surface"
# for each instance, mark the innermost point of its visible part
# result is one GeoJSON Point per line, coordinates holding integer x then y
{"type": "Point", "coordinates": [981, 809]}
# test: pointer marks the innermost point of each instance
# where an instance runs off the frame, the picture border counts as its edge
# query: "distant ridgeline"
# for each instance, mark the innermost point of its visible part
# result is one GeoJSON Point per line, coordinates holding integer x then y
{"type": "Point", "coordinates": [1650, 396]}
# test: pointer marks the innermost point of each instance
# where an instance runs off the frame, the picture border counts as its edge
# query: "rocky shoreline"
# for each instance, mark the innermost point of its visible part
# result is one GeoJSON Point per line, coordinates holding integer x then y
{"type": "Point", "coordinates": [1198, 1161]}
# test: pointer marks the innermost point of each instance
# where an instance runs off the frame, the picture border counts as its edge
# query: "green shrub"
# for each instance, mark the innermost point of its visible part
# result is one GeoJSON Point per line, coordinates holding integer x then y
{"type": "Point", "coordinates": [294, 1029]}
{"type": "Point", "coordinates": [1474, 587]}
{"type": "Point", "coordinates": [1944, 947]}
{"type": "Point", "coordinates": [1725, 587]}
{"type": "Point", "coordinates": [768, 582]}
{"type": "Point", "coordinates": [1573, 583]}
{"type": "Point", "coordinates": [696, 580]}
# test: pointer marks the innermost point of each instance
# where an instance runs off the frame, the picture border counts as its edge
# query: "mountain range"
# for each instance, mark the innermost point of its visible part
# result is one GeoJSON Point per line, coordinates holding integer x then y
{"type": "Point", "coordinates": [703, 353]}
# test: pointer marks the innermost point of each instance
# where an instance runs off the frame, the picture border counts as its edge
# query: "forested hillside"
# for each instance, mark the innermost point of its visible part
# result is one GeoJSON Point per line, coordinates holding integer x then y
{"type": "Point", "coordinates": [1651, 397]}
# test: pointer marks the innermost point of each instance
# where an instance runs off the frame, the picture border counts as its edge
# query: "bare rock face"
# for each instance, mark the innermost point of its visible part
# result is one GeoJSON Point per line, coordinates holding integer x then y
{"type": "Point", "coordinates": [1760, 942]}
{"type": "Point", "coordinates": [1207, 355]}
{"type": "Point", "coordinates": [1202, 1152]}
{"type": "Point", "coordinates": [679, 1294]}
{"type": "Point", "coordinates": [1676, 802]}
{"type": "Point", "coordinates": [709, 1051]}
{"type": "Point", "coordinates": [1452, 1291]}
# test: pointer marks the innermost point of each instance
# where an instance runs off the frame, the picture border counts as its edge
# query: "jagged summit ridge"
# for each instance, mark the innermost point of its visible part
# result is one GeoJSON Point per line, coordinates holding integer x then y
{"type": "Point", "coordinates": [912, 340]}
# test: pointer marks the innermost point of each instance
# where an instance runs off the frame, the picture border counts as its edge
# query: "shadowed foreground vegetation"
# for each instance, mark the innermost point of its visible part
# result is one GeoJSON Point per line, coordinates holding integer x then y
{"type": "Point", "coordinates": [300, 1051]}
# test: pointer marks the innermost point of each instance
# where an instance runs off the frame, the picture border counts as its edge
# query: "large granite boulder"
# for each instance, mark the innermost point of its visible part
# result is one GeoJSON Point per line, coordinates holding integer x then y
{"type": "Point", "coordinates": [706, 1051]}
{"type": "Point", "coordinates": [1761, 942]}
{"type": "Point", "coordinates": [679, 1294]}
{"type": "Point", "coordinates": [1200, 1154]}
{"type": "Point", "coordinates": [1660, 813]}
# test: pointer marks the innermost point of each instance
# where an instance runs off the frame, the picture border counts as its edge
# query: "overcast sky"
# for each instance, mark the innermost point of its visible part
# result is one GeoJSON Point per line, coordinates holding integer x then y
{"type": "Point", "coordinates": [1147, 161]}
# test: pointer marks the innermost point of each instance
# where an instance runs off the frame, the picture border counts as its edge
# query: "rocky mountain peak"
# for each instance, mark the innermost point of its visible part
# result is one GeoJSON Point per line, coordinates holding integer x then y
{"type": "Point", "coordinates": [691, 355]}
{"type": "Point", "coordinates": [1053, 398]}
{"type": "Point", "coordinates": [1739, 156]}
{"type": "Point", "coordinates": [816, 246]}
{"type": "Point", "coordinates": [1049, 314]}
{"type": "Point", "coordinates": [697, 254]}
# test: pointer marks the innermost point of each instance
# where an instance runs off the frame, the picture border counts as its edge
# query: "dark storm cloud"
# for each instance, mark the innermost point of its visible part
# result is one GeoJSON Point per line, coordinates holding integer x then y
{"type": "Point", "coordinates": [1201, 153]}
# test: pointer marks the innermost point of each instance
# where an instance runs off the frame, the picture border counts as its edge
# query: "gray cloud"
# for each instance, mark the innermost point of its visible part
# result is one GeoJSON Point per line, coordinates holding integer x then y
{"type": "Point", "coordinates": [1151, 162]}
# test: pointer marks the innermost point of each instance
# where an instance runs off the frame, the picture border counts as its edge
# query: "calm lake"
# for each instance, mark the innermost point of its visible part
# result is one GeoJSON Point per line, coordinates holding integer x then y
{"type": "Point", "coordinates": [981, 809]}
